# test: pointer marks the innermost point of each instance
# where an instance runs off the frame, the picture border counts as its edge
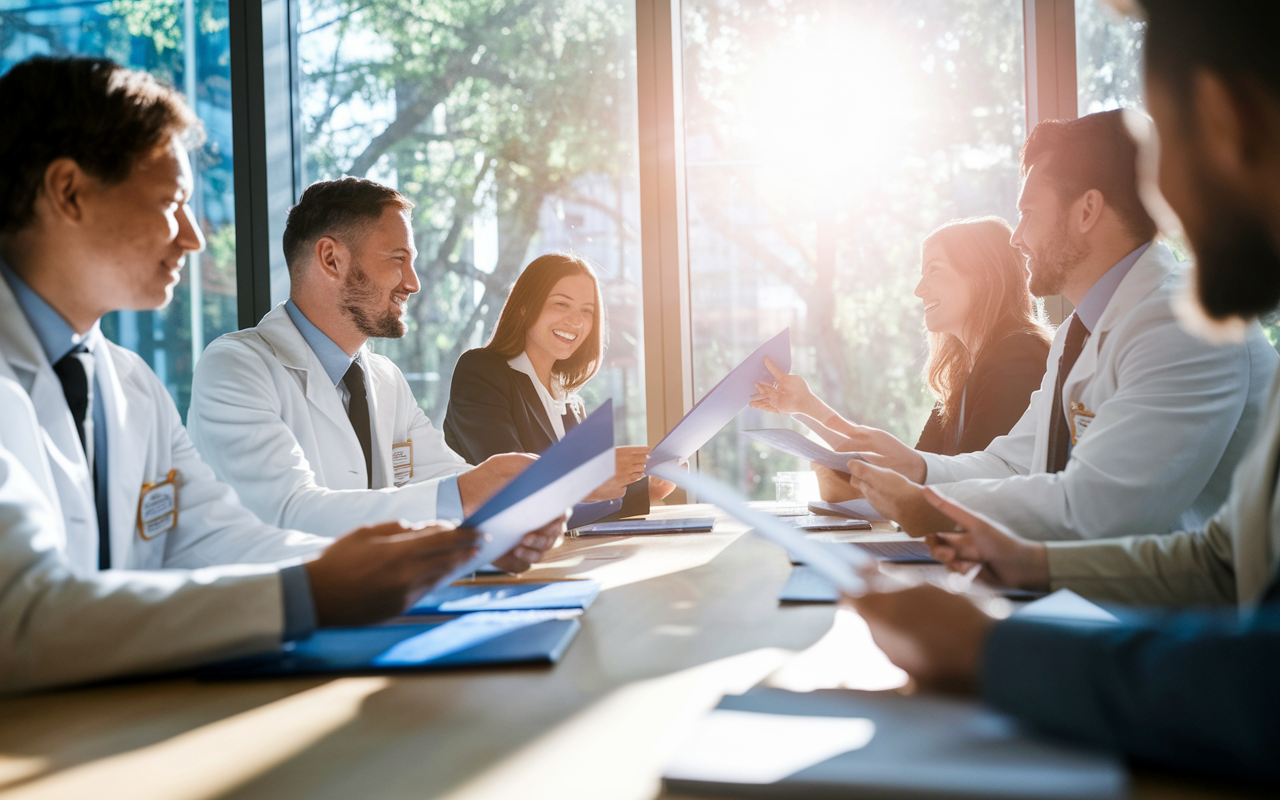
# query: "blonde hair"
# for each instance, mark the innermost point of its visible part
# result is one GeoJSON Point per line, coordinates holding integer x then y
{"type": "Point", "coordinates": [978, 249]}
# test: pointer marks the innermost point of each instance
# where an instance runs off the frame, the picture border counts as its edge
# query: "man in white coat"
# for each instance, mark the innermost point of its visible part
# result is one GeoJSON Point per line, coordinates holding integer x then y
{"type": "Point", "coordinates": [94, 189]}
{"type": "Point", "coordinates": [313, 430]}
{"type": "Point", "coordinates": [1138, 425]}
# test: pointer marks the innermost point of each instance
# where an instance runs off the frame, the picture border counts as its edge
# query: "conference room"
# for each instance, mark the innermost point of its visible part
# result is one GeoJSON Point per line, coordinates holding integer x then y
{"type": "Point", "coordinates": [734, 399]}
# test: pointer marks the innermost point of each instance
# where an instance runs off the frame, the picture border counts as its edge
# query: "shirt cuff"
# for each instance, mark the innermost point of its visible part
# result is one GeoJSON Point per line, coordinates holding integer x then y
{"type": "Point", "coordinates": [299, 606]}
{"type": "Point", "coordinates": [449, 500]}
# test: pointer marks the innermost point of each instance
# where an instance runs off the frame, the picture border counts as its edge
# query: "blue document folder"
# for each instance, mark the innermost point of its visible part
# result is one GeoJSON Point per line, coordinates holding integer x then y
{"type": "Point", "coordinates": [486, 638]}
{"type": "Point", "coordinates": [472, 598]}
{"type": "Point", "coordinates": [627, 527]}
{"type": "Point", "coordinates": [723, 402]}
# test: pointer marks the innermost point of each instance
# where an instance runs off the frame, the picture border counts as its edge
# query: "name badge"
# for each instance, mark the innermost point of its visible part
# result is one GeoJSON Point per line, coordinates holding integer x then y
{"type": "Point", "coordinates": [402, 462]}
{"type": "Point", "coordinates": [158, 507]}
{"type": "Point", "coordinates": [1081, 419]}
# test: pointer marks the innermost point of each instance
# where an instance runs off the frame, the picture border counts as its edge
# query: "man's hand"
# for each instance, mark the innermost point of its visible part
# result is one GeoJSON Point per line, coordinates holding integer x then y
{"type": "Point", "coordinates": [834, 487]}
{"type": "Point", "coordinates": [935, 636]}
{"type": "Point", "coordinates": [532, 547]}
{"type": "Point", "coordinates": [898, 499]}
{"type": "Point", "coordinates": [659, 489]}
{"type": "Point", "coordinates": [1006, 557]}
{"type": "Point", "coordinates": [375, 573]}
{"type": "Point", "coordinates": [477, 485]}
{"type": "Point", "coordinates": [882, 449]}
{"type": "Point", "coordinates": [631, 461]}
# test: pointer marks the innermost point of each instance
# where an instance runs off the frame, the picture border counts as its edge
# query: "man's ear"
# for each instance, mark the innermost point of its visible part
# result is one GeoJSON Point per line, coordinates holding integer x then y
{"type": "Point", "coordinates": [64, 187]}
{"type": "Point", "coordinates": [1088, 210]}
{"type": "Point", "coordinates": [332, 257]}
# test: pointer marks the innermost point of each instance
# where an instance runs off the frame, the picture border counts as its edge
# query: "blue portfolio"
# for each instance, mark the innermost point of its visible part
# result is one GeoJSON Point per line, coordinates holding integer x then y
{"type": "Point", "coordinates": [627, 527]}
{"type": "Point", "coordinates": [470, 598]}
{"type": "Point", "coordinates": [486, 638]}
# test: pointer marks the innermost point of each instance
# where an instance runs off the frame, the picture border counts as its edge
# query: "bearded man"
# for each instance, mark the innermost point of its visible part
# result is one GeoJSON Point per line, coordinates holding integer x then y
{"type": "Point", "coordinates": [303, 420]}
{"type": "Point", "coordinates": [1137, 425]}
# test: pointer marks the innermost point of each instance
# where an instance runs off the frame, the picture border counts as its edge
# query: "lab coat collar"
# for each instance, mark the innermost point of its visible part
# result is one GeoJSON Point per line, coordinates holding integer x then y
{"type": "Point", "coordinates": [333, 358]}
{"type": "Point", "coordinates": [1153, 267]}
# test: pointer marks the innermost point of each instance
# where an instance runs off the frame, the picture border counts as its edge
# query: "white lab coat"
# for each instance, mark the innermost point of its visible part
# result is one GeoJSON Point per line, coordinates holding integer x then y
{"type": "Point", "coordinates": [145, 440]}
{"type": "Point", "coordinates": [1174, 415]}
{"type": "Point", "coordinates": [267, 417]}
{"type": "Point", "coordinates": [59, 624]}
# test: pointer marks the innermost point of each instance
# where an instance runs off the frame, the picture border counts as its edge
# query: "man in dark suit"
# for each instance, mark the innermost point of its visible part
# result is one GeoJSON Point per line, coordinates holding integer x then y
{"type": "Point", "coordinates": [1193, 690]}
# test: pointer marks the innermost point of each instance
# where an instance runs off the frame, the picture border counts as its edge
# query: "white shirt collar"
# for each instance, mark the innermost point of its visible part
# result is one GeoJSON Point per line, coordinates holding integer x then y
{"type": "Point", "coordinates": [556, 402]}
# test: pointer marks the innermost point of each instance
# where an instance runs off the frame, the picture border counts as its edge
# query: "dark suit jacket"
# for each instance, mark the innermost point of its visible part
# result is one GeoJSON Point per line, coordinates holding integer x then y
{"type": "Point", "coordinates": [997, 393]}
{"type": "Point", "coordinates": [496, 409]}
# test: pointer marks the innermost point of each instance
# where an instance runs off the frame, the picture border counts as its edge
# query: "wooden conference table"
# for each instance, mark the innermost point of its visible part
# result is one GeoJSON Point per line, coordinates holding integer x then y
{"type": "Point", "coordinates": [682, 620]}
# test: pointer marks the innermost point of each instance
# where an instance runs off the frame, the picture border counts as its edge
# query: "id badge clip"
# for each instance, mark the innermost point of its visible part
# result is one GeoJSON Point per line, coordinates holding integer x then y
{"type": "Point", "coordinates": [1081, 418]}
{"type": "Point", "coordinates": [158, 507]}
{"type": "Point", "coordinates": [402, 462]}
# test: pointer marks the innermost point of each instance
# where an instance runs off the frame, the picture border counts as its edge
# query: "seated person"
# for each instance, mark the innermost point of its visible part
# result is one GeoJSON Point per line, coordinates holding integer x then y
{"type": "Point", "coordinates": [119, 550]}
{"type": "Point", "coordinates": [1194, 690]}
{"type": "Point", "coordinates": [313, 430]}
{"type": "Point", "coordinates": [1138, 425]}
{"type": "Point", "coordinates": [518, 393]}
{"type": "Point", "coordinates": [987, 346]}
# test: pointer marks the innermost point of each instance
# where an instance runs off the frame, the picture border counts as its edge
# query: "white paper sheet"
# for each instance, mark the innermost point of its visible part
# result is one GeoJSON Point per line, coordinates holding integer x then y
{"type": "Point", "coordinates": [836, 563]}
{"type": "Point", "coordinates": [1065, 605]}
{"type": "Point", "coordinates": [797, 444]}
{"type": "Point", "coordinates": [722, 403]}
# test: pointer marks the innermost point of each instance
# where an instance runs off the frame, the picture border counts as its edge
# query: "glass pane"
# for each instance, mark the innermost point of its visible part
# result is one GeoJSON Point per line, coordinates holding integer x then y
{"type": "Point", "coordinates": [1108, 58]}
{"type": "Point", "coordinates": [184, 43]}
{"type": "Point", "coordinates": [513, 128]}
{"type": "Point", "coordinates": [823, 142]}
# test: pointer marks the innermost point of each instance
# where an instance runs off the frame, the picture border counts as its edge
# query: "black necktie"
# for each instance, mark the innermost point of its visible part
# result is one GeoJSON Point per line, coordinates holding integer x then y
{"type": "Point", "coordinates": [358, 413]}
{"type": "Point", "coordinates": [71, 371]}
{"type": "Point", "coordinates": [1059, 427]}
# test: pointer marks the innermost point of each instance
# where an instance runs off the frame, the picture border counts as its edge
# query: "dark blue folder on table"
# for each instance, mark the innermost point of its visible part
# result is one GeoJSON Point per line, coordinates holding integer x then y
{"type": "Point", "coordinates": [480, 639]}
{"type": "Point", "coordinates": [627, 527]}
{"type": "Point", "coordinates": [471, 598]}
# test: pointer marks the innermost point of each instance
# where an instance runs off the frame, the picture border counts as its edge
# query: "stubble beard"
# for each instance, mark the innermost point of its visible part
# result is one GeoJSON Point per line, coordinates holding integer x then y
{"type": "Point", "coordinates": [359, 294]}
{"type": "Point", "coordinates": [1049, 273]}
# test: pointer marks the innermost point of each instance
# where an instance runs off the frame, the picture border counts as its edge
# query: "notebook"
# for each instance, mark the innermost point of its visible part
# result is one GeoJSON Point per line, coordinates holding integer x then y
{"type": "Point", "coordinates": [484, 638]}
{"type": "Point", "coordinates": [839, 743]}
{"type": "Point", "coordinates": [634, 526]}
{"type": "Point", "coordinates": [470, 598]}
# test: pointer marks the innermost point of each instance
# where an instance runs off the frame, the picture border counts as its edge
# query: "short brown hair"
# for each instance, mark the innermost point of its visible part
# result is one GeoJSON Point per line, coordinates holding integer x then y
{"type": "Point", "coordinates": [343, 209]}
{"type": "Point", "coordinates": [1092, 152]}
{"type": "Point", "coordinates": [524, 304]}
{"type": "Point", "coordinates": [91, 110]}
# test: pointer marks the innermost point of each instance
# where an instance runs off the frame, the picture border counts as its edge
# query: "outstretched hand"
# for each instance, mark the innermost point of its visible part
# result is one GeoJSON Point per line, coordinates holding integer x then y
{"type": "Point", "coordinates": [1006, 558]}
{"type": "Point", "coordinates": [898, 498]}
{"type": "Point", "coordinates": [788, 394]}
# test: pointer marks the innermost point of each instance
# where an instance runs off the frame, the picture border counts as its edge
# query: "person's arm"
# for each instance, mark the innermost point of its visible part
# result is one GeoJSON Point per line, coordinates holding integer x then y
{"type": "Point", "coordinates": [479, 422]}
{"type": "Point", "coordinates": [236, 417]}
{"type": "Point", "coordinates": [1150, 450]}
{"type": "Point", "coordinates": [1000, 390]}
{"type": "Point", "coordinates": [1192, 691]}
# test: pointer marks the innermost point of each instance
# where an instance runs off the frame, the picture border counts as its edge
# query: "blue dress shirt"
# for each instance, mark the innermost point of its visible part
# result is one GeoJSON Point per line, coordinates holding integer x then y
{"type": "Point", "coordinates": [336, 362]}
{"type": "Point", "coordinates": [1099, 295]}
{"type": "Point", "coordinates": [57, 338]}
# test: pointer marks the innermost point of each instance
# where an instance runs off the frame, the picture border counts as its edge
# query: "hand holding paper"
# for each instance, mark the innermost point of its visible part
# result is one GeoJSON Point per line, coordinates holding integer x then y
{"type": "Point", "coordinates": [792, 443]}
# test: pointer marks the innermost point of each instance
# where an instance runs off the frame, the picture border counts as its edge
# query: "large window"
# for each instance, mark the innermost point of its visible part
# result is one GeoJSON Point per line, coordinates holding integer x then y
{"type": "Point", "coordinates": [184, 43]}
{"type": "Point", "coordinates": [1108, 58]}
{"type": "Point", "coordinates": [823, 142]}
{"type": "Point", "coordinates": [511, 124]}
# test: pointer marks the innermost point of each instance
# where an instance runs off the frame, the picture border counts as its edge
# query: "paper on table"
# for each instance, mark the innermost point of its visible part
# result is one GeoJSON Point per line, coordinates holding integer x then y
{"type": "Point", "coordinates": [797, 444]}
{"type": "Point", "coordinates": [722, 403]}
{"type": "Point", "coordinates": [1065, 605]}
{"type": "Point", "coordinates": [836, 563]}
{"type": "Point", "coordinates": [568, 471]}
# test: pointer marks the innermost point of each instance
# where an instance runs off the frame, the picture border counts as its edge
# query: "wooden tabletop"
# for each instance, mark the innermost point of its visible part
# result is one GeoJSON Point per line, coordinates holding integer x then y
{"type": "Point", "coordinates": [682, 620]}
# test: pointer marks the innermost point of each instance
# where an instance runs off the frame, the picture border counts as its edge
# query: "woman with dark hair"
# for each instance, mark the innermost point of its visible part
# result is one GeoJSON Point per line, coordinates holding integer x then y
{"type": "Point", "coordinates": [519, 393]}
{"type": "Point", "coordinates": [987, 346]}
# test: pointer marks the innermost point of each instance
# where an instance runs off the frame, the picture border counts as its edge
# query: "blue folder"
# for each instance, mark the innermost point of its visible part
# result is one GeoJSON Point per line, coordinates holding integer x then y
{"type": "Point", "coordinates": [628, 527]}
{"type": "Point", "coordinates": [473, 598]}
{"type": "Point", "coordinates": [481, 639]}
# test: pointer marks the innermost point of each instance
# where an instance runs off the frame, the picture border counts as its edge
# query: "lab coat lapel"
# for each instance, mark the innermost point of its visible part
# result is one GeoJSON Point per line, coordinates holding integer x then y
{"type": "Point", "coordinates": [286, 341]}
{"type": "Point", "coordinates": [65, 457]}
{"type": "Point", "coordinates": [131, 425]}
{"type": "Point", "coordinates": [1146, 275]}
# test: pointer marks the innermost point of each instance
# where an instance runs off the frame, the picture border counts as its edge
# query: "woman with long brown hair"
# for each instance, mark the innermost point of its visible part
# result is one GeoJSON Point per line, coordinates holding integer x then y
{"type": "Point", "coordinates": [519, 393]}
{"type": "Point", "coordinates": [987, 344]}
